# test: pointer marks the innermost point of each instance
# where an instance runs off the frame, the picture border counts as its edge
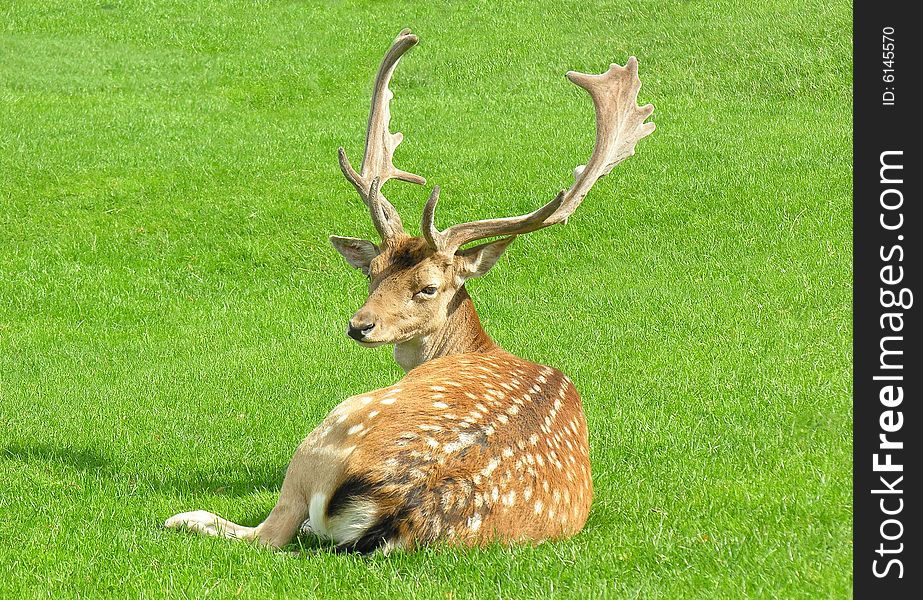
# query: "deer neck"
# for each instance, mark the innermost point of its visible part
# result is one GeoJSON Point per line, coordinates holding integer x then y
{"type": "Point", "coordinates": [462, 333]}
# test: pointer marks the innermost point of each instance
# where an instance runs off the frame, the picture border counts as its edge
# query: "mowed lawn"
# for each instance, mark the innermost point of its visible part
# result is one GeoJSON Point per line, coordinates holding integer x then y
{"type": "Point", "coordinates": [172, 316]}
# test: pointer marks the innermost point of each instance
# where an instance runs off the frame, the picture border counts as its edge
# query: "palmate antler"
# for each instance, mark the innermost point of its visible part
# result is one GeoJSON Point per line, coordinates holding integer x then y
{"type": "Point", "coordinates": [620, 124]}
{"type": "Point", "coordinates": [378, 161]}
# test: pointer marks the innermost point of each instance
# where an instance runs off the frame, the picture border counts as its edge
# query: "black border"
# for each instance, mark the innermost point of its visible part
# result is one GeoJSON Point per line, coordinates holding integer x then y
{"type": "Point", "coordinates": [879, 128]}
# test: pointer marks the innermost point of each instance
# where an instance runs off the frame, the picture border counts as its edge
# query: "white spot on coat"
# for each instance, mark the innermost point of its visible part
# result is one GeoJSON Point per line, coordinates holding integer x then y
{"type": "Point", "coordinates": [490, 467]}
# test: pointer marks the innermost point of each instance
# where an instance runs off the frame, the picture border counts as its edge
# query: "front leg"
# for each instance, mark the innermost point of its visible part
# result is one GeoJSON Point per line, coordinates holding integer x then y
{"type": "Point", "coordinates": [206, 523]}
{"type": "Point", "coordinates": [282, 524]}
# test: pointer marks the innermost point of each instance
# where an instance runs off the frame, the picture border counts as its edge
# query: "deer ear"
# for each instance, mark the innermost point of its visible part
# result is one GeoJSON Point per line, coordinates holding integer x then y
{"type": "Point", "coordinates": [358, 253]}
{"type": "Point", "coordinates": [477, 260]}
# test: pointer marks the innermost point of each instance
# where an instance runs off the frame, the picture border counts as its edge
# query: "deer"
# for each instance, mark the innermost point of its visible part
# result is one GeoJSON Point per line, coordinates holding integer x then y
{"type": "Point", "coordinates": [474, 445]}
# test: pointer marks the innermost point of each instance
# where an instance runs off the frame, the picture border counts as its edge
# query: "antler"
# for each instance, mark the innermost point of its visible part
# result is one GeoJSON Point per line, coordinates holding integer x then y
{"type": "Point", "coordinates": [619, 126]}
{"type": "Point", "coordinates": [378, 161]}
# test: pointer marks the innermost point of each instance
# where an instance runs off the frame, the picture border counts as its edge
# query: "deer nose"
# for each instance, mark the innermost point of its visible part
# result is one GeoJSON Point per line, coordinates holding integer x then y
{"type": "Point", "coordinates": [359, 331]}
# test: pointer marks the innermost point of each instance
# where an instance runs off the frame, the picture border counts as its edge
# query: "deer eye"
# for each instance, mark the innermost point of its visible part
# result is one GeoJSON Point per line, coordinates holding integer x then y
{"type": "Point", "coordinates": [428, 292]}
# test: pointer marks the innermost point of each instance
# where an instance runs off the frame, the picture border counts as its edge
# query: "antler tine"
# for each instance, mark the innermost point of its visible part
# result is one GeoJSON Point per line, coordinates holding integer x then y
{"type": "Point", "coordinates": [456, 236]}
{"type": "Point", "coordinates": [380, 143]}
{"type": "Point", "coordinates": [428, 228]}
{"type": "Point", "coordinates": [620, 124]}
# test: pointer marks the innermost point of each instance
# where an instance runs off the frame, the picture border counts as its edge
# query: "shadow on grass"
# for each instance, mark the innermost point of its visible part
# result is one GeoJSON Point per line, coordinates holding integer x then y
{"type": "Point", "coordinates": [82, 459]}
{"type": "Point", "coordinates": [233, 480]}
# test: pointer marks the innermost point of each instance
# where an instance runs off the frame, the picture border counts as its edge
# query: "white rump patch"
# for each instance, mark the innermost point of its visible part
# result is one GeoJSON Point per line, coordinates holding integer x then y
{"type": "Point", "coordinates": [316, 514]}
{"type": "Point", "coordinates": [352, 521]}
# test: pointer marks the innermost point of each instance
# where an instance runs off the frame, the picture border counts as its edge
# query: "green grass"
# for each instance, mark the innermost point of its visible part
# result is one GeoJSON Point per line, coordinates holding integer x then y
{"type": "Point", "coordinates": [171, 314]}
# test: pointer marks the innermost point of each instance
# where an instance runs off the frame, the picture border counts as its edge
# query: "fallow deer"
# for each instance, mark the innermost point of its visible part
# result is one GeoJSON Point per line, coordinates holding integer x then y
{"type": "Point", "coordinates": [474, 444]}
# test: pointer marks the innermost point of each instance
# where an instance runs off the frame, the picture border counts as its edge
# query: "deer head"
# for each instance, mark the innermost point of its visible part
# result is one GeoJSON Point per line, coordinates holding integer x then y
{"type": "Point", "coordinates": [417, 298]}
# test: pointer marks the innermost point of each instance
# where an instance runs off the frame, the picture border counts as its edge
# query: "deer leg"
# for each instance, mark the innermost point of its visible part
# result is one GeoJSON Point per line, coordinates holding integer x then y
{"type": "Point", "coordinates": [277, 530]}
{"type": "Point", "coordinates": [283, 522]}
{"type": "Point", "coordinates": [206, 523]}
